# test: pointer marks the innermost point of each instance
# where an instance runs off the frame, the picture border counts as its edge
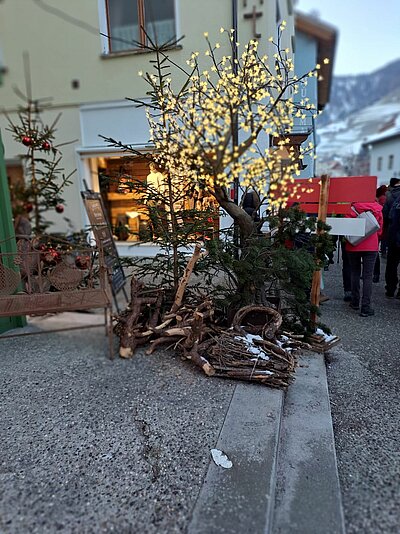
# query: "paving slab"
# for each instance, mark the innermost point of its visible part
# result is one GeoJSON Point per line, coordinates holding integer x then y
{"type": "Point", "coordinates": [240, 499]}
{"type": "Point", "coordinates": [308, 498]}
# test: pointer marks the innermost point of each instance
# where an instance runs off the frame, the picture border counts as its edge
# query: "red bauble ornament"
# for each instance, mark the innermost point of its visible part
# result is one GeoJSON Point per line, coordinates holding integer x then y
{"type": "Point", "coordinates": [82, 262]}
{"type": "Point", "coordinates": [46, 146]}
{"type": "Point", "coordinates": [51, 256]}
{"type": "Point", "coordinates": [26, 140]}
{"type": "Point", "coordinates": [59, 208]}
{"type": "Point", "coordinates": [28, 207]}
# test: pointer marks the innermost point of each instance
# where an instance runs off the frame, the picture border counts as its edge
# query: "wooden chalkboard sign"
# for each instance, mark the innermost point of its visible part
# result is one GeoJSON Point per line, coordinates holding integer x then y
{"type": "Point", "coordinates": [103, 234]}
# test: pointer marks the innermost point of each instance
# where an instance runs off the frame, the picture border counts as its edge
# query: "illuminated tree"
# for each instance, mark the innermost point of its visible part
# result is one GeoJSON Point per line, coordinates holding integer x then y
{"type": "Point", "coordinates": [194, 127]}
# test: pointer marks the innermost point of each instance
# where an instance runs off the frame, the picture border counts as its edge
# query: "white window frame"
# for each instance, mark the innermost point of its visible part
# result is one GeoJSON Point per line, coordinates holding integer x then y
{"type": "Point", "coordinates": [103, 27]}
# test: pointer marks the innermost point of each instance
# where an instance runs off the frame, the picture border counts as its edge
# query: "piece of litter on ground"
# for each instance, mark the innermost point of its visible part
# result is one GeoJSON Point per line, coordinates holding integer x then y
{"type": "Point", "coordinates": [221, 459]}
{"type": "Point", "coordinates": [107, 456]}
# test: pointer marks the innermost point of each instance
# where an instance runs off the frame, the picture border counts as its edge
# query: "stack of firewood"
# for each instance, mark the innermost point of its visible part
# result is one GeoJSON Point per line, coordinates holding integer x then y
{"type": "Point", "coordinates": [250, 357]}
{"type": "Point", "coordinates": [251, 348]}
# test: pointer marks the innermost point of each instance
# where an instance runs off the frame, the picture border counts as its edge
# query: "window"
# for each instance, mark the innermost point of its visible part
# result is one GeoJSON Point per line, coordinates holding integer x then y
{"type": "Point", "coordinates": [379, 163]}
{"type": "Point", "coordinates": [278, 12]}
{"type": "Point", "coordinates": [129, 20]}
{"type": "Point", "coordinates": [136, 217]}
{"type": "Point", "coordinates": [390, 162]}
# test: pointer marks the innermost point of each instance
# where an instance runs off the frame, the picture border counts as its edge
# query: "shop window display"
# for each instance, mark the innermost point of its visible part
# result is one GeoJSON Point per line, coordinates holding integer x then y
{"type": "Point", "coordinates": [139, 214]}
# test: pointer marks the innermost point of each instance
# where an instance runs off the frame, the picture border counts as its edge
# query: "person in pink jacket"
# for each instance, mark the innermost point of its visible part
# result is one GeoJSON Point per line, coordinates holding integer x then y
{"type": "Point", "coordinates": [363, 256]}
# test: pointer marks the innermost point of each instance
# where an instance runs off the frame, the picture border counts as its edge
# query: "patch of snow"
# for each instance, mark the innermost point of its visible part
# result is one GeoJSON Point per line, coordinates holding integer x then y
{"type": "Point", "coordinates": [281, 342]}
{"type": "Point", "coordinates": [334, 127]}
{"type": "Point", "coordinates": [326, 336]}
{"type": "Point", "coordinates": [345, 137]}
{"type": "Point", "coordinates": [386, 133]}
{"type": "Point", "coordinates": [263, 371]}
{"type": "Point", "coordinates": [248, 340]}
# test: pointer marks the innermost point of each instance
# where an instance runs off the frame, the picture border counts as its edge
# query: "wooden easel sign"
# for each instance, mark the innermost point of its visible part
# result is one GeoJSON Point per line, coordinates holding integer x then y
{"type": "Point", "coordinates": [101, 228]}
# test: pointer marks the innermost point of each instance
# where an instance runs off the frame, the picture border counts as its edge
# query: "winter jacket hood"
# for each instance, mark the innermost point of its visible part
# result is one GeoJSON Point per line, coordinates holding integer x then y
{"type": "Point", "coordinates": [371, 243]}
{"type": "Point", "coordinates": [392, 197]}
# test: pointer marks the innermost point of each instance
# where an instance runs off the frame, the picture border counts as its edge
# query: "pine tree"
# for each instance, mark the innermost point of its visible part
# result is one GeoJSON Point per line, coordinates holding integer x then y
{"type": "Point", "coordinates": [179, 214]}
{"type": "Point", "coordinates": [44, 177]}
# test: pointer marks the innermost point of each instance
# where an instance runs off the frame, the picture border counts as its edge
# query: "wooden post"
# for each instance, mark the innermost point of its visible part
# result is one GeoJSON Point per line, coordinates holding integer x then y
{"type": "Point", "coordinates": [322, 213]}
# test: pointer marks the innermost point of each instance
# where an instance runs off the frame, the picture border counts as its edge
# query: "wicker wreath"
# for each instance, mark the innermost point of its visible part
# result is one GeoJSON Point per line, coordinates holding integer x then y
{"type": "Point", "coordinates": [259, 320]}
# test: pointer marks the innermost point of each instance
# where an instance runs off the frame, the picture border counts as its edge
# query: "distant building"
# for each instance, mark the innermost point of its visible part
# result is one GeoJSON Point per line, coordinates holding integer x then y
{"type": "Point", "coordinates": [384, 153]}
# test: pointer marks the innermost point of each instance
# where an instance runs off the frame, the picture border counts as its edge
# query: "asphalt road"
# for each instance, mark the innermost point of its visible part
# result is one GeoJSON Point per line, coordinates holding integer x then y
{"type": "Point", "coordinates": [363, 378]}
{"type": "Point", "coordinates": [89, 445]}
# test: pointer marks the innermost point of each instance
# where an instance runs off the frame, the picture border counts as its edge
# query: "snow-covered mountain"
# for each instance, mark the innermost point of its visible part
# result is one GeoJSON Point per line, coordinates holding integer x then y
{"type": "Point", "coordinates": [346, 136]}
{"type": "Point", "coordinates": [352, 93]}
{"type": "Point", "coordinates": [360, 107]}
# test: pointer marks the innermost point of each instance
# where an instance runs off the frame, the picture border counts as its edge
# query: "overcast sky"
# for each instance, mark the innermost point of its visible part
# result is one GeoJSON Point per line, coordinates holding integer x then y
{"type": "Point", "coordinates": [369, 31]}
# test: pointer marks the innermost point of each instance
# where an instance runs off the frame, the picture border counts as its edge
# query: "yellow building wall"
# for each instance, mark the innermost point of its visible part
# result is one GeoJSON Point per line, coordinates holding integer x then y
{"type": "Point", "coordinates": [63, 44]}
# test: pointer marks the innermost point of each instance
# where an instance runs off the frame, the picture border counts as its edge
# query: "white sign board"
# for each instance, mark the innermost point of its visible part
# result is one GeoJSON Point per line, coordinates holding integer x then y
{"type": "Point", "coordinates": [341, 226]}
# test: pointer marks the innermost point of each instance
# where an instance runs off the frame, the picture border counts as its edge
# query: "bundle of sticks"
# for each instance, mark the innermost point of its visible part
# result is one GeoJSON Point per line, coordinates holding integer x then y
{"type": "Point", "coordinates": [251, 348]}
{"type": "Point", "coordinates": [252, 358]}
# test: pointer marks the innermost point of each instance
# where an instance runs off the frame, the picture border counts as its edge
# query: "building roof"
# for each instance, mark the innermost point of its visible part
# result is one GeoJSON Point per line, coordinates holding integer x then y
{"type": "Point", "coordinates": [386, 135]}
{"type": "Point", "coordinates": [326, 36]}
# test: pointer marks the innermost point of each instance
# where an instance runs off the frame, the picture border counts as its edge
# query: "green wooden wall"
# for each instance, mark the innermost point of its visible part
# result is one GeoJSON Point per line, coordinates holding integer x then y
{"type": "Point", "coordinates": [6, 232]}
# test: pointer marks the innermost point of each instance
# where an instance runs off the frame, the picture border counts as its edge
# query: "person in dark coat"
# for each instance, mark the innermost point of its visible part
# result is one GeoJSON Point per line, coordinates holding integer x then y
{"type": "Point", "coordinates": [251, 203]}
{"type": "Point", "coordinates": [389, 193]}
{"type": "Point", "coordinates": [381, 199]}
{"type": "Point", "coordinates": [391, 214]}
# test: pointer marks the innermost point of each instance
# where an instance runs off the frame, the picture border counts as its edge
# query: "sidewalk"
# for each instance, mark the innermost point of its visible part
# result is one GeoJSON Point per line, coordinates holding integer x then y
{"type": "Point", "coordinates": [93, 445]}
{"type": "Point", "coordinates": [363, 376]}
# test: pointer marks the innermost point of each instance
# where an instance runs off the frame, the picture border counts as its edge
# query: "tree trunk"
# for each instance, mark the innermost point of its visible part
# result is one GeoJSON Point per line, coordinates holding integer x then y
{"type": "Point", "coordinates": [246, 224]}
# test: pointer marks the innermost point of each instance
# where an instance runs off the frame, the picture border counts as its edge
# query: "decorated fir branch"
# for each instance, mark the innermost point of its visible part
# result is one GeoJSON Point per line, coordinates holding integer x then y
{"type": "Point", "coordinates": [44, 177]}
{"type": "Point", "coordinates": [218, 121]}
{"type": "Point", "coordinates": [179, 213]}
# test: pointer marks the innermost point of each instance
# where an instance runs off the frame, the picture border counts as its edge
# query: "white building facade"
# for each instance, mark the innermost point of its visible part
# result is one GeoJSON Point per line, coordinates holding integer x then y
{"type": "Point", "coordinates": [384, 155]}
{"type": "Point", "coordinates": [85, 60]}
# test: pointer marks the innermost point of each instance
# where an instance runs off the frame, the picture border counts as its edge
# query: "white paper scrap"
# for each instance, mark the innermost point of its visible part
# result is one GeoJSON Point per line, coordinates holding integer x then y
{"type": "Point", "coordinates": [221, 459]}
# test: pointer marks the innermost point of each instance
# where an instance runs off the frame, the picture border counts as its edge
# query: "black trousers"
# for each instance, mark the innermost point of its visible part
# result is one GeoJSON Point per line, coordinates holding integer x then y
{"type": "Point", "coordinates": [392, 265]}
{"type": "Point", "coordinates": [377, 266]}
{"type": "Point", "coordinates": [346, 269]}
{"type": "Point", "coordinates": [366, 262]}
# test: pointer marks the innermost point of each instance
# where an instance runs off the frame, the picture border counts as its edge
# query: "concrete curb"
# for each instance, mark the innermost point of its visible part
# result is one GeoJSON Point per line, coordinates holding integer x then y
{"type": "Point", "coordinates": [241, 499]}
{"type": "Point", "coordinates": [308, 497]}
